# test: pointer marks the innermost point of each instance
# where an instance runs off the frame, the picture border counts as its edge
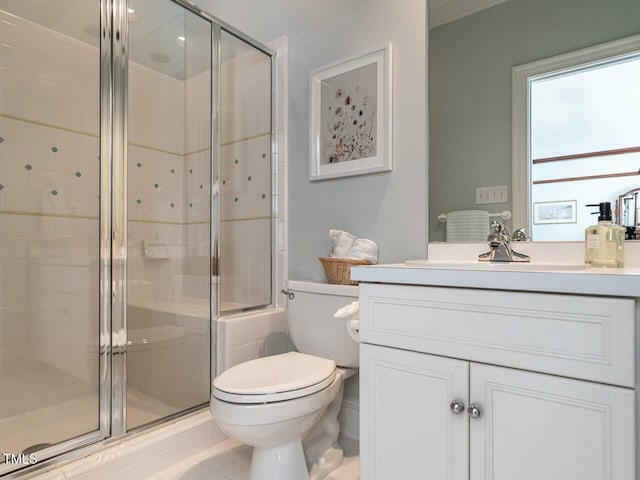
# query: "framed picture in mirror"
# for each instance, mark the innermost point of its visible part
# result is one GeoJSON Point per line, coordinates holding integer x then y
{"type": "Point", "coordinates": [555, 212]}
{"type": "Point", "coordinates": [350, 116]}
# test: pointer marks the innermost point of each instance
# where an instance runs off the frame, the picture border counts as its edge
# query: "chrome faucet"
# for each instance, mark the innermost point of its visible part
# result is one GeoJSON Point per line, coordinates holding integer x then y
{"type": "Point", "coordinates": [500, 243]}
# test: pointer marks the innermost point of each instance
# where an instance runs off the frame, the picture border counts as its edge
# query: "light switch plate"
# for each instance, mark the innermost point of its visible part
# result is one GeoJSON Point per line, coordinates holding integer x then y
{"type": "Point", "coordinates": [498, 194]}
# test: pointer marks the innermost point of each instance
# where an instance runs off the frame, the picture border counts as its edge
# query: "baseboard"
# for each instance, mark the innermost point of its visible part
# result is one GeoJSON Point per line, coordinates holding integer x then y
{"type": "Point", "coordinates": [350, 418]}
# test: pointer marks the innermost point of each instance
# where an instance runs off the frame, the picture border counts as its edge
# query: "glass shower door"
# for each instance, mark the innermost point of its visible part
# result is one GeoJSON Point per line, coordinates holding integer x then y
{"type": "Point", "coordinates": [110, 206]}
{"type": "Point", "coordinates": [246, 176]}
{"type": "Point", "coordinates": [168, 315]}
{"type": "Point", "coordinates": [50, 232]}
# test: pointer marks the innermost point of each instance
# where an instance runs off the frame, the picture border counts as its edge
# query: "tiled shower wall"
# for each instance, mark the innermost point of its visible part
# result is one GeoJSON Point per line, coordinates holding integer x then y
{"type": "Point", "coordinates": [196, 279]}
{"type": "Point", "coordinates": [164, 192]}
{"type": "Point", "coordinates": [169, 182]}
{"type": "Point", "coordinates": [243, 337]}
{"type": "Point", "coordinates": [168, 192]}
{"type": "Point", "coordinates": [245, 188]}
{"type": "Point", "coordinates": [155, 170]}
{"type": "Point", "coordinates": [249, 336]}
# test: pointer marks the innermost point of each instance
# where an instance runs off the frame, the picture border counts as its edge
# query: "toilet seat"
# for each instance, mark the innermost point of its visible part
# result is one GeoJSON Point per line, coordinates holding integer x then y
{"type": "Point", "coordinates": [274, 379]}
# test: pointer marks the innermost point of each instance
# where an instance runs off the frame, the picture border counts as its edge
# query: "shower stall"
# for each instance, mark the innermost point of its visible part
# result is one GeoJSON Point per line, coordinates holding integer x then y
{"type": "Point", "coordinates": [136, 207]}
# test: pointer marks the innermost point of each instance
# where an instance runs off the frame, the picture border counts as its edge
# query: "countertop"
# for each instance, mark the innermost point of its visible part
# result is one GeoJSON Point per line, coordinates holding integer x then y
{"type": "Point", "coordinates": [616, 282]}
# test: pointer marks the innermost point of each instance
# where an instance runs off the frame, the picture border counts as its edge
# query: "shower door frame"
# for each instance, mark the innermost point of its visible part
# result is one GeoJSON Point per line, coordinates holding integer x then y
{"type": "Point", "coordinates": [76, 447]}
{"type": "Point", "coordinates": [114, 53]}
{"type": "Point", "coordinates": [117, 393]}
{"type": "Point", "coordinates": [118, 327]}
{"type": "Point", "coordinates": [120, 65]}
{"type": "Point", "coordinates": [116, 91]}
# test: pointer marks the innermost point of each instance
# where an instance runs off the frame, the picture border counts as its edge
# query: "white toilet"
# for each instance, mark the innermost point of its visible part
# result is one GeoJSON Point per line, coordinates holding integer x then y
{"type": "Point", "coordinates": [278, 404]}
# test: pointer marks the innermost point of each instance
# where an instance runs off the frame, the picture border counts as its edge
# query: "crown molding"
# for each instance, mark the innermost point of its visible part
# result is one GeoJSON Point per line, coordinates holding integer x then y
{"type": "Point", "coordinates": [451, 10]}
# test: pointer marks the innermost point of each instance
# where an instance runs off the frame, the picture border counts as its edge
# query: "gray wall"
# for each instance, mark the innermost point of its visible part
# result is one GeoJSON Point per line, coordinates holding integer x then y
{"type": "Point", "coordinates": [470, 86]}
{"type": "Point", "coordinates": [390, 208]}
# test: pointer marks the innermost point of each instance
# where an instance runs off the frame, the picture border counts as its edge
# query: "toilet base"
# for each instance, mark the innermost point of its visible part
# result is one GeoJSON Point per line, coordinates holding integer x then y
{"type": "Point", "coordinates": [284, 462]}
{"type": "Point", "coordinates": [326, 464]}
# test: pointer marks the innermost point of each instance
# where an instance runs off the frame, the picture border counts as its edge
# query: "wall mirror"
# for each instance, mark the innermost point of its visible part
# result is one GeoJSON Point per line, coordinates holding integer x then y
{"type": "Point", "coordinates": [534, 113]}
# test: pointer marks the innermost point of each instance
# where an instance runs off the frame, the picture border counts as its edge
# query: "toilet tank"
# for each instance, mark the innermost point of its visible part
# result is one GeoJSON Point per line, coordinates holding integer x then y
{"type": "Point", "coordinates": [312, 327]}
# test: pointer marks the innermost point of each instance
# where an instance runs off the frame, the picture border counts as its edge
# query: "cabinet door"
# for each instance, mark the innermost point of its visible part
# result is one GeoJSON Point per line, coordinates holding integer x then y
{"type": "Point", "coordinates": [535, 426]}
{"type": "Point", "coordinates": [407, 429]}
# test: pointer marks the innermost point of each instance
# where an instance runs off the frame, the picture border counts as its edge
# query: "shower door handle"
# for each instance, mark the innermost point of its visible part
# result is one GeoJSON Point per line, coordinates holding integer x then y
{"type": "Point", "coordinates": [215, 264]}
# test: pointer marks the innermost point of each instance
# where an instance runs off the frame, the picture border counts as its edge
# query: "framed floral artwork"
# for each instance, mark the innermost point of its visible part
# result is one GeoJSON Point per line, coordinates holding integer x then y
{"type": "Point", "coordinates": [350, 124]}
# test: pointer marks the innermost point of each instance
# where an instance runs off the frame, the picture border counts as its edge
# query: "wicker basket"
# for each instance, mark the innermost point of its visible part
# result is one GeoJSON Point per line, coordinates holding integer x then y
{"type": "Point", "coordinates": [338, 270]}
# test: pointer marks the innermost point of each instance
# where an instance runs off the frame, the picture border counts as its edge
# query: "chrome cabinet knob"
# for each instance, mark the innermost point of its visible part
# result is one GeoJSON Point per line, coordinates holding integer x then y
{"type": "Point", "coordinates": [457, 407]}
{"type": "Point", "coordinates": [474, 411]}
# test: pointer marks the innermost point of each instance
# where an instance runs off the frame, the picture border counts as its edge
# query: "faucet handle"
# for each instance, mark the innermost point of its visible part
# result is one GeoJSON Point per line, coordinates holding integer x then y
{"type": "Point", "coordinates": [497, 227]}
{"type": "Point", "coordinates": [520, 235]}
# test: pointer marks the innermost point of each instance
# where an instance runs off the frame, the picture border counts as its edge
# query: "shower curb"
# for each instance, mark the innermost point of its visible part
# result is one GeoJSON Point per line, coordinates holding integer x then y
{"type": "Point", "coordinates": [146, 453]}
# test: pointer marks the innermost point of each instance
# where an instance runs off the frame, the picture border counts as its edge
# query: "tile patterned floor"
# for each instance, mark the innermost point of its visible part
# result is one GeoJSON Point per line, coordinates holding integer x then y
{"type": "Point", "coordinates": [230, 460]}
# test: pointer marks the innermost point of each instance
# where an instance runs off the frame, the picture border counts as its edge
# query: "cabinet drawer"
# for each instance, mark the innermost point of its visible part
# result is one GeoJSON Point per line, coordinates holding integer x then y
{"type": "Point", "coordinates": [577, 336]}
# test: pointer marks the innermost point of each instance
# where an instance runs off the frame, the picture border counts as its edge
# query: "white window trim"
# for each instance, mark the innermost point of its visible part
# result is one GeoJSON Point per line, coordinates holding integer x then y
{"type": "Point", "coordinates": [523, 75]}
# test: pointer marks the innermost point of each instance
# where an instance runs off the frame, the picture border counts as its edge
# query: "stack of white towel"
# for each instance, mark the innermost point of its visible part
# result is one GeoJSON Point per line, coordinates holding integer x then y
{"type": "Point", "coordinates": [467, 226]}
{"type": "Point", "coordinates": [345, 245]}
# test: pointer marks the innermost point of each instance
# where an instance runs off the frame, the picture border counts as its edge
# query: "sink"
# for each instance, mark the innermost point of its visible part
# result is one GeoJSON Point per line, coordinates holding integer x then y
{"type": "Point", "coordinates": [498, 266]}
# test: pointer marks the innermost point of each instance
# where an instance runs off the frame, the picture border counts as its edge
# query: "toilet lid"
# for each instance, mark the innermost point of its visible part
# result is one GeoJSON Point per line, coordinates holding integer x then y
{"type": "Point", "coordinates": [276, 378]}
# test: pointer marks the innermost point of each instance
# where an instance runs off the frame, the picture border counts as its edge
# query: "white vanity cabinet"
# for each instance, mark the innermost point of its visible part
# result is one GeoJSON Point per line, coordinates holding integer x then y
{"type": "Point", "coordinates": [552, 379]}
{"type": "Point", "coordinates": [406, 429]}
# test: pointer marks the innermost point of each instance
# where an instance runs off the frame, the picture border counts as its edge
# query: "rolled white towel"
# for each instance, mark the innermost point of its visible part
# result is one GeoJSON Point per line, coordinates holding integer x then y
{"type": "Point", "coordinates": [364, 249]}
{"type": "Point", "coordinates": [341, 242]}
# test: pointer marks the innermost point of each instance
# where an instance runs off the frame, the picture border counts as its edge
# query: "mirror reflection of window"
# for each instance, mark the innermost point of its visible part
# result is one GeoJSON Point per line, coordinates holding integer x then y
{"type": "Point", "coordinates": [584, 119]}
{"type": "Point", "coordinates": [628, 210]}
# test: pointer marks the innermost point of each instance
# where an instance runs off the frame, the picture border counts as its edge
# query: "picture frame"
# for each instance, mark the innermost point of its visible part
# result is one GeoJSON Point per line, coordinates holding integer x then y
{"type": "Point", "coordinates": [562, 211]}
{"type": "Point", "coordinates": [350, 125]}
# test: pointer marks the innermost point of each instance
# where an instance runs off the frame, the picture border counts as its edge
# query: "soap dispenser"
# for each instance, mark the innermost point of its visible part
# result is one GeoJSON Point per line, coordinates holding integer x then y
{"type": "Point", "coordinates": [604, 242]}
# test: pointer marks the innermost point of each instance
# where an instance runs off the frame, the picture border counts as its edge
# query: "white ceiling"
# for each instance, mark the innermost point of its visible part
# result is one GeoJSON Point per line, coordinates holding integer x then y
{"type": "Point", "coordinates": [155, 27]}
